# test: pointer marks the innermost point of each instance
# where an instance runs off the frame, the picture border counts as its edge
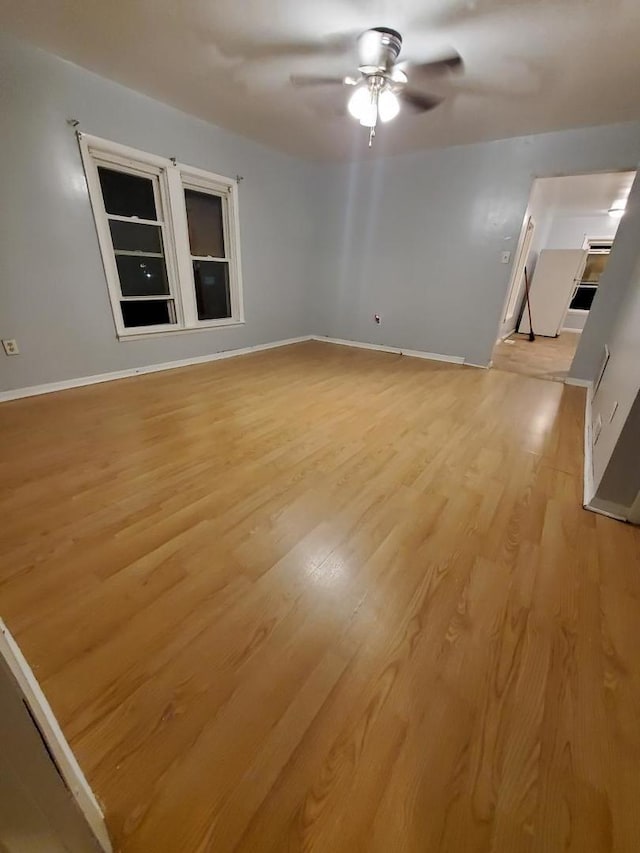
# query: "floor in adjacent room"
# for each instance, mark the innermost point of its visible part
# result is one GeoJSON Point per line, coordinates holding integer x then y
{"type": "Point", "coordinates": [544, 358]}
{"type": "Point", "coordinates": [327, 599]}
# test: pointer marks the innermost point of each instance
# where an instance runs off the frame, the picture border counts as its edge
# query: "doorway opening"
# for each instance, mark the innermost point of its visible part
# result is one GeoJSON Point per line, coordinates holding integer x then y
{"type": "Point", "coordinates": [567, 234]}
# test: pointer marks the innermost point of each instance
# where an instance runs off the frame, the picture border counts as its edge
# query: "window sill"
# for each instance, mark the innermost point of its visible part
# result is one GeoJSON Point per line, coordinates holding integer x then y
{"type": "Point", "coordinates": [163, 333]}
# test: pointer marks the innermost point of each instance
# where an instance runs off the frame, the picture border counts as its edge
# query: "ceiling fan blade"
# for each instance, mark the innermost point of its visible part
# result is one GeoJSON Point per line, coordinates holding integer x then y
{"type": "Point", "coordinates": [420, 102]}
{"type": "Point", "coordinates": [316, 80]}
{"type": "Point", "coordinates": [451, 62]}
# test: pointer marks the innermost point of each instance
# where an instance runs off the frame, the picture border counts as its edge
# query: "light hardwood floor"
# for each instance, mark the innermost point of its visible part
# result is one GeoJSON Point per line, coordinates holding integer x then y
{"type": "Point", "coordinates": [545, 358]}
{"type": "Point", "coordinates": [327, 599]}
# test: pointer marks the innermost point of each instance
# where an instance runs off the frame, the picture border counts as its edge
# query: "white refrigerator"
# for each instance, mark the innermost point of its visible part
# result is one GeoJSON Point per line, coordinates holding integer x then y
{"type": "Point", "coordinates": [557, 274]}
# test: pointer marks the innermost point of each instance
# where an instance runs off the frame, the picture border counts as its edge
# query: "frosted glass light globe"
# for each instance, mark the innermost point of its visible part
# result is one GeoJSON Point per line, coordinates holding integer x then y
{"type": "Point", "coordinates": [388, 105]}
{"type": "Point", "coordinates": [359, 101]}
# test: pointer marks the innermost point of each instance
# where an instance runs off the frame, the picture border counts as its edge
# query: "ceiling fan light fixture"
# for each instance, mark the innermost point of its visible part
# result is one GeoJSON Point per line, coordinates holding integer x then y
{"type": "Point", "coordinates": [379, 86]}
{"type": "Point", "coordinates": [369, 117]}
{"type": "Point", "coordinates": [388, 105]}
{"type": "Point", "coordinates": [360, 102]}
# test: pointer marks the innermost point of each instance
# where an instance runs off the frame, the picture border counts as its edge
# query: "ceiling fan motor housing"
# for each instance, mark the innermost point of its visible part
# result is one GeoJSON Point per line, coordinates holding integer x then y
{"type": "Point", "coordinates": [378, 49]}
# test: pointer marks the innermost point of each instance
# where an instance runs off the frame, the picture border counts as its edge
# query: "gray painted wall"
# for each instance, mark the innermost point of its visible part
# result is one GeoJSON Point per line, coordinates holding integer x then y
{"type": "Point", "coordinates": [418, 238]}
{"type": "Point", "coordinates": [53, 298]}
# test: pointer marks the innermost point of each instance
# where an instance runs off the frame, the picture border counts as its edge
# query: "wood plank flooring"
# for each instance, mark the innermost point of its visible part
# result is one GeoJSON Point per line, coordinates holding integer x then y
{"type": "Point", "coordinates": [546, 358]}
{"type": "Point", "coordinates": [325, 599]}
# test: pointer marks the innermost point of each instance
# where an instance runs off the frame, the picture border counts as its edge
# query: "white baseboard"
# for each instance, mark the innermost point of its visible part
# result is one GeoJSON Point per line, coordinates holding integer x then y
{"type": "Point", "coordinates": [580, 383]}
{"type": "Point", "coordinates": [589, 500]}
{"type": "Point", "coordinates": [411, 353]}
{"type": "Point", "coordinates": [608, 508]}
{"type": "Point", "coordinates": [634, 512]}
{"type": "Point", "coordinates": [51, 387]}
{"type": "Point", "coordinates": [588, 450]}
{"type": "Point", "coordinates": [52, 734]}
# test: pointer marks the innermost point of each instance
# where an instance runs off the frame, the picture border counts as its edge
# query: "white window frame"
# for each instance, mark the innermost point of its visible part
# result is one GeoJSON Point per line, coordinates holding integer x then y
{"type": "Point", "coordinates": [587, 244]}
{"type": "Point", "coordinates": [170, 181]}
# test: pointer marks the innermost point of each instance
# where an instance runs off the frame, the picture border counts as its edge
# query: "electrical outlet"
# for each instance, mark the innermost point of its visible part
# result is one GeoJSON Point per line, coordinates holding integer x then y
{"type": "Point", "coordinates": [506, 257]}
{"type": "Point", "coordinates": [10, 347]}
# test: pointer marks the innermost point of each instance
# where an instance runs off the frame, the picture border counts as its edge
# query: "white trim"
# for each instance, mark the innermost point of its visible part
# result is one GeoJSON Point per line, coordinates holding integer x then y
{"type": "Point", "coordinates": [588, 491]}
{"type": "Point", "coordinates": [206, 178]}
{"type": "Point", "coordinates": [570, 330]}
{"type": "Point", "coordinates": [167, 331]}
{"type": "Point", "coordinates": [51, 387]}
{"type": "Point", "coordinates": [52, 733]}
{"type": "Point", "coordinates": [634, 512]}
{"type": "Point", "coordinates": [479, 366]}
{"type": "Point", "coordinates": [589, 240]}
{"type": "Point", "coordinates": [433, 356]}
{"type": "Point", "coordinates": [178, 213]}
{"type": "Point", "coordinates": [233, 212]}
{"type": "Point", "coordinates": [580, 383]}
{"type": "Point", "coordinates": [133, 155]}
{"type": "Point", "coordinates": [357, 344]}
{"type": "Point", "coordinates": [411, 353]}
{"type": "Point", "coordinates": [608, 508]}
{"type": "Point", "coordinates": [589, 500]}
{"type": "Point", "coordinates": [523, 250]}
{"type": "Point", "coordinates": [169, 182]}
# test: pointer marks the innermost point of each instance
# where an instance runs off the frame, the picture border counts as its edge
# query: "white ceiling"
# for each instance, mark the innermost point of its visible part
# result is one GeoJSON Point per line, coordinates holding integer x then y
{"type": "Point", "coordinates": [582, 194]}
{"type": "Point", "coordinates": [531, 65]}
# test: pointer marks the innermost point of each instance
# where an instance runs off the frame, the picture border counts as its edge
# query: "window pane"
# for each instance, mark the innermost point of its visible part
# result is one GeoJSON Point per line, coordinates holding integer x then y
{"type": "Point", "coordinates": [127, 195]}
{"type": "Point", "coordinates": [212, 289]}
{"type": "Point", "coordinates": [204, 217]}
{"type": "Point", "coordinates": [147, 313]}
{"type": "Point", "coordinates": [132, 237]}
{"type": "Point", "coordinates": [583, 298]}
{"type": "Point", "coordinates": [141, 275]}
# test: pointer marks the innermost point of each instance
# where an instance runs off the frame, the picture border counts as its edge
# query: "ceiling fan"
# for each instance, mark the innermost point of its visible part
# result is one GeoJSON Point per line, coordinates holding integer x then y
{"type": "Point", "coordinates": [381, 82]}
